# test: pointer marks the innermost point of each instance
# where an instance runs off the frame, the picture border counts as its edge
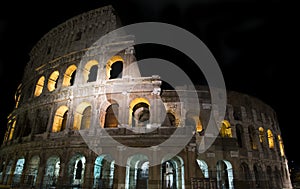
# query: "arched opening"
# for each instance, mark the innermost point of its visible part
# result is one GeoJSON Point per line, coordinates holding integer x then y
{"type": "Point", "coordinates": [204, 168]}
{"type": "Point", "coordinates": [60, 119]}
{"type": "Point", "coordinates": [76, 170]}
{"type": "Point", "coordinates": [193, 120]}
{"type": "Point", "coordinates": [18, 95]}
{"type": "Point", "coordinates": [51, 172]}
{"type": "Point", "coordinates": [52, 81]}
{"type": "Point", "coordinates": [281, 147]}
{"type": "Point", "coordinates": [172, 173]}
{"type": "Point", "coordinates": [170, 120]}
{"type": "Point", "coordinates": [8, 171]}
{"type": "Point", "coordinates": [82, 116]}
{"type": "Point", "coordinates": [12, 130]}
{"type": "Point", "coordinates": [258, 176]}
{"type": "Point", "coordinates": [2, 165]}
{"type": "Point", "coordinates": [114, 68]}
{"type": "Point", "coordinates": [90, 71]}
{"type": "Point", "coordinates": [137, 172]}
{"type": "Point", "coordinates": [278, 178]}
{"type": "Point", "coordinates": [32, 171]}
{"type": "Point", "coordinates": [69, 76]}
{"type": "Point", "coordinates": [245, 176]}
{"type": "Point", "coordinates": [224, 174]}
{"type": "Point", "coordinates": [262, 138]}
{"type": "Point", "coordinates": [18, 171]}
{"type": "Point", "coordinates": [270, 139]}
{"type": "Point", "coordinates": [104, 171]}
{"type": "Point", "coordinates": [252, 137]}
{"type": "Point", "coordinates": [39, 86]}
{"type": "Point", "coordinates": [226, 131]}
{"type": "Point", "coordinates": [239, 135]}
{"type": "Point", "coordinates": [111, 116]}
{"type": "Point", "coordinates": [139, 115]}
{"type": "Point", "coordinates": [270, 176]}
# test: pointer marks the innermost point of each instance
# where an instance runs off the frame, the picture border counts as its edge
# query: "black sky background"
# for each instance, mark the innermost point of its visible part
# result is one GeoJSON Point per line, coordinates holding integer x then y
{"type": "Point", "coordinates": [251, 41]}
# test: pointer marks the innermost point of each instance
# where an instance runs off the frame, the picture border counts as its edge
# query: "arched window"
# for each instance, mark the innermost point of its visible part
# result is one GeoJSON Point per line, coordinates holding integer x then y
{"type": "Point", "coordinates": [194, 121]}
{"type": "Point", "coordinates": [104, 171]}
{"type": "Point", "coordinates": [226, 129]}
{"type": "Point", "coordinates": [204, 168]}
{"type": "Point", "coordinates": [18, 171]}
{"type": "Point", "coordinates": [224, 174]}
{"type": "Point", "coordinates": [245, 175]}
{"type": "Point", "coordinates": [139, 114]}
{"type": "Point", "coordinates": [262, 138]}
{"type": "Point", "coordinates": [69, 76]}
{"type": "Point", "coordinates": [51, 171]}
{"type": "Point", "coordinates": [281, 147]}
{"type": "Point", "coordinates": [258, 173]}
{"type": "Point", "coordinates": [12, 130]}
{"type": "Point", "coordinates": [172, 171]}
{"type": "Point", "coordinates": [90, 71]}
{"type": "Point", "coordinates": [270, 139]}
{"type": "Point", "coordinates": [278, 177]}
{"type": "Point", "coordinates": [52, 81]}
{"type": "Point", "coordinates": [170, 120]}
{"type": "Point", "coordinates": [239, 135]}
{"type": "Point", "coordinates": [252, 138]}
{"type": "Point", "coordinates": [114, 68]}
{"type": "Point", "coordinates": [8, 171]}
{"type": "Point", "coordinates": [137, 171]}
{"type": "Point", "coordinates": [111, 116]}
{"type": "Point", "coordinates": [32, 171]}
{"type": "Point", "coordinates": [60, 119]}
{"type": "Point", "coordinates": [39, 86]}
{"type": "Point", "coordinates": [18, 95]}
{"type": "Point", "coordinates": [76, 170]}
{"type": "Point", "coordinates": [82, 116]}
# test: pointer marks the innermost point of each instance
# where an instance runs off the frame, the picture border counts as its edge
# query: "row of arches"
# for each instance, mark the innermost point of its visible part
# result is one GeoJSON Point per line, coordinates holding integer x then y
{"type": "Point", "coordinates": [83, 115]}
{"type": "Point", "coordinates": [89, 72]}
{"type": "Point", "coordinates": [22, 173]}
{"type": "Point", "coordinates": [262, 136]}
{"type": "Point", "coordinates": [139, 115]}
{"type": "Point", "coordinates": [267, 177]}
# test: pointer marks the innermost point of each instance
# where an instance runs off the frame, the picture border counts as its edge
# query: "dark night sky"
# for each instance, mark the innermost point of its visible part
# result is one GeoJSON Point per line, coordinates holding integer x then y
{"type": "Point", "coordinates": [251, 41]}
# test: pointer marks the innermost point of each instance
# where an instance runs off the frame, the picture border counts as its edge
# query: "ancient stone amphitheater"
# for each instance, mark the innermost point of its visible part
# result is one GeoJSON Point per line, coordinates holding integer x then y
{"type": "Point", "coordinates": [64, 99]}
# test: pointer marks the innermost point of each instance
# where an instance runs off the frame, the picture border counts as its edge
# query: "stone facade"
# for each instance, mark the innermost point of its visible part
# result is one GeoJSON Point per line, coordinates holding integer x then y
{"type": "Point", "coordinates": [64, 97]}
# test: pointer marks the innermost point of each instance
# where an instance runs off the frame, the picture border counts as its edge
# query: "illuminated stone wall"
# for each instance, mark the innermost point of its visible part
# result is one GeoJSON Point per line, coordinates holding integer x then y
{"type": "Point", "coordinates": [62, 94]}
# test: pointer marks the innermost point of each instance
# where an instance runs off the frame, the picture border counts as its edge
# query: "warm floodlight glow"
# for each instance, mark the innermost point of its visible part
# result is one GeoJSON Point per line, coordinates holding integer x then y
{"type": "Point", "coordinates": [270, 139]}
{"type": "Point", "coordinates": [39, 86]}
{"type": "Point", "coordinates": [226, 129]}
{"type": "Point", "coordinates": [52, 81]}
{"type": "Point", "coordinates": [69, 76]}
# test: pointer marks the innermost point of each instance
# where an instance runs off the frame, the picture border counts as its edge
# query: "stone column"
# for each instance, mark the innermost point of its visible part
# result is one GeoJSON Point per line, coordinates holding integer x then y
{"type": "Point", "coordinates": [25, 169]}
{"type": "Point", "coordinates": [88, 173]}
{"type": "Point", "coordinates": [50, 121]}
{"type": "Point", "coordinates": [63, 177]}
{"type": "Point", "coordinates": [11, 174]}
{"type": "Point", "coordinates": [70, 118]}
{"type": "Point", "coordinates": [119, 171]}
{"type": "Point", "coordinates": [119, 177]}
{"type": "Point", "coordinates": [41, 173]}
{"type": "Point", "coordinates": [154, 181]}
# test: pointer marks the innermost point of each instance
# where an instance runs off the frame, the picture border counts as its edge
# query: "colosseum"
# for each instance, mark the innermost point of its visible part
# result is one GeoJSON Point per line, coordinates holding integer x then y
{"type": "Point", "coordinates": [69, 109]}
